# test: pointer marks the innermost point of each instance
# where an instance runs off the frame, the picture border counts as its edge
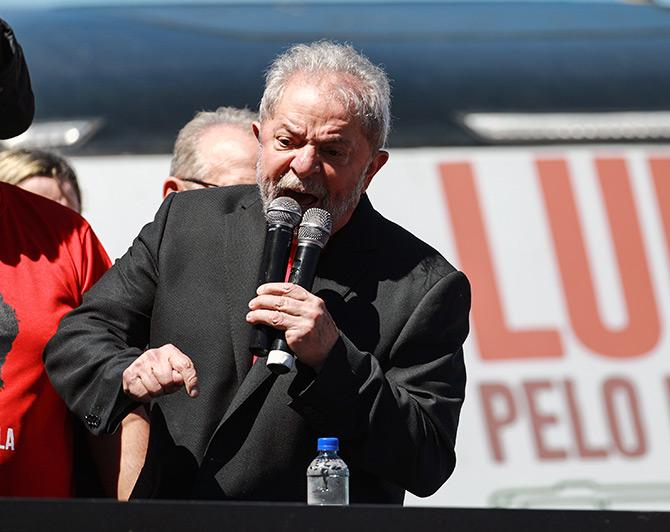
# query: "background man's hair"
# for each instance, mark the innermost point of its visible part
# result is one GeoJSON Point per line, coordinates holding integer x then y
{"type": "Point", "coordinates": [186, 161]}
{"type": "Point", "coordinates": [366, 91]}
{"type": "Point", "coordinates": [20, 164]}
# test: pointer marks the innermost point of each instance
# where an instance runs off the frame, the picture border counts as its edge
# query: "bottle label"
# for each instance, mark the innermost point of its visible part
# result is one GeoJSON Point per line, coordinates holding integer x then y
{"type": "Point", "coordinates": [327, 482]}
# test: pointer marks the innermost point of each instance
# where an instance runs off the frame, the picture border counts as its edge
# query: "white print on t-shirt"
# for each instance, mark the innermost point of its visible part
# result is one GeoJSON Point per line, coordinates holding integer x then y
{"type": "Point", "coordinates": [7, 443]}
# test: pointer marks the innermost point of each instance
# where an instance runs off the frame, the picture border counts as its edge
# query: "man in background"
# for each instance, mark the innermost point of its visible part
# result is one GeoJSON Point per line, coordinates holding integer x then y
{"type": "Point", "coordinates": [215, 149]}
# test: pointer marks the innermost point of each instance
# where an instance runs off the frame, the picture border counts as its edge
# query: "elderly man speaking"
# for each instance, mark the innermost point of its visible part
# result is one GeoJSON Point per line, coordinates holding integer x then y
{"type": "Point", "coordinates": [378, 340]}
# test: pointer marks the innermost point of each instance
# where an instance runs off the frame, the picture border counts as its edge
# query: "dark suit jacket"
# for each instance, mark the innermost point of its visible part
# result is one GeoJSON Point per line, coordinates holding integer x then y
{"type": "Point", "coordinates": [391, 389]}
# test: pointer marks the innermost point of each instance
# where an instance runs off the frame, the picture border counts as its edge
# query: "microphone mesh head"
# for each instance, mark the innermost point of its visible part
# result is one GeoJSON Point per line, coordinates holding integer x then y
{"type": "Point", "coordinates": [315, 227]}
{"type": "Point", "coordinates": [284, 211]}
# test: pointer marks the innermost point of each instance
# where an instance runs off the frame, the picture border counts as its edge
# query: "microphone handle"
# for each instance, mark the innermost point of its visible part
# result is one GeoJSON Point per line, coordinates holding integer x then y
{"type": "Point", "coordinates": [303, 271]}
{"type": "Point", "coordinates": [273, 270]}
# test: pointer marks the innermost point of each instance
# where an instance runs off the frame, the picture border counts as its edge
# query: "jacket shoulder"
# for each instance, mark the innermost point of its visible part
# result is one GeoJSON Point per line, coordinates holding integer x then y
{"type": "Point", "coordinates": [223, 200]}
{"type": "Point", "coordinates": [404, 248]}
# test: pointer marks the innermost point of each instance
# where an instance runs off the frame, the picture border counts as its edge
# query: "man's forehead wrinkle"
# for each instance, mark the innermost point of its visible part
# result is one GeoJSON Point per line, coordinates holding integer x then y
{"type": "Point", "coordinates": [314, 91]}
{"type": "Point", "coordinates": [291, 126]}
{"type": "Point", "coordinates": [333, 130]}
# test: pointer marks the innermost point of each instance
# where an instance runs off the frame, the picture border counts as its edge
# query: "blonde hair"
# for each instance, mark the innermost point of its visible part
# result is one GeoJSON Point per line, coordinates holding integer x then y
{"type": "Point", "coordinates": [17, 165]}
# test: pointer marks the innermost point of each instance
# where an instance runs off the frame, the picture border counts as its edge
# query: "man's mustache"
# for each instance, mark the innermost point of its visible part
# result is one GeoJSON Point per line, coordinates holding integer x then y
{"type": "Point", "coordinates": [289, 181]}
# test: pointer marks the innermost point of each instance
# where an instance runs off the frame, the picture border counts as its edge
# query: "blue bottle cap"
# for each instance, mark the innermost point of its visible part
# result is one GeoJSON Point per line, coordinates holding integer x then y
{"type": "Point", "coordinates": [328, 444]}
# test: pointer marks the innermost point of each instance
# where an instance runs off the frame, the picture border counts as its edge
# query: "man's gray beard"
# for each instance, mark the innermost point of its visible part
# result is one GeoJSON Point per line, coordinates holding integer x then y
{"type": "Point", "coordinates": [270, 190]}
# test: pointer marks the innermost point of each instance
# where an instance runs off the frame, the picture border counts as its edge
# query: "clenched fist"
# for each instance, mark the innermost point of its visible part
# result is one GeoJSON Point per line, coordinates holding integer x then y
{"type": "Point", "coordinates": [159, 372]}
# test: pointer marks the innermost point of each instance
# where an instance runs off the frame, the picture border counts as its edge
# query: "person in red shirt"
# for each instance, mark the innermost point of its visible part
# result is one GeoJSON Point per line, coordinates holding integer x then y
{"type": "Point", "coordinates": [49, 256]}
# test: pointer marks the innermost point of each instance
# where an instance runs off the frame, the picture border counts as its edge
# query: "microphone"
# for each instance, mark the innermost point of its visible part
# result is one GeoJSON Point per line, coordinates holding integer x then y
{"type": "Point", "coordinates": [283, 215]}
{"type": "Point", "coordinates": [312, 237]}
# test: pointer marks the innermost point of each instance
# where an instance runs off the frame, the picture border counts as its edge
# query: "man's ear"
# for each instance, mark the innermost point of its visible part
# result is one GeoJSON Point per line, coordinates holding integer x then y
{"type": "Point", "coordinates": [256, 127]}
{"type": "Point", "coordinates": [377, 162]}
{"type": "Point", "coordinates": [171, 184]}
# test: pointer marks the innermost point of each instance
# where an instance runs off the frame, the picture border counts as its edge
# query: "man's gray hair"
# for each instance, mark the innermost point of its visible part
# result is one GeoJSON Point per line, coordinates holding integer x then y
{"type": "Point", "coordinates": [186, 161]}
{"type": "Point", "coordinates": [366, 93]}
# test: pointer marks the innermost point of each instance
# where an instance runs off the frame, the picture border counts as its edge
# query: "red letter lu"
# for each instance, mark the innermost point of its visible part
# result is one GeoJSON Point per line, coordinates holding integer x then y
{"type": "Point", "coordinates": [660, 170]}
{"type": "Point", "coordinates": [496, 340]}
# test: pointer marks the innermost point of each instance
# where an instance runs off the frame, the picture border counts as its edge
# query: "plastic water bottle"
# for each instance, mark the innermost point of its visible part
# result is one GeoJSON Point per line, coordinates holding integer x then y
{"type": "Point", "coordinates": [328, 476]}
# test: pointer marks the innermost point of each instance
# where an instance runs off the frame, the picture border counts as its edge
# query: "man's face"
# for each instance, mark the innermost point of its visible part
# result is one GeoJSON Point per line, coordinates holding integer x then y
{"type": "Point", "coordinates": [230, 154]}
{"type": "Point", "coordinates": [313, 151]}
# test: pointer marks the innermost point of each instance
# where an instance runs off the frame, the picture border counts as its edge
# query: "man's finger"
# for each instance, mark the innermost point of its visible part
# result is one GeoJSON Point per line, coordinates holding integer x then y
{"type": "Point", "coordinates": [151, 384]}
{"type": "Point", "coordinates": [184, 367]}
{"type": "Point", "coordinates": [190, 382]}
{"type": "Point", "coordinates": [135, 389]}
{"type": "Point", "coordinates": [288, 289]}
{"type": "Point", "coordinates": [161, 368]}
{"type": "Point", "coordinates": [273, 318]}
{"type": "Point", "coordinates": [281, 303]}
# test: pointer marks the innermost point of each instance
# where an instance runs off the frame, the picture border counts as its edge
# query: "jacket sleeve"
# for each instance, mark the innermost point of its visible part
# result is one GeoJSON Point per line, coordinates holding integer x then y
{"type": "Point", "coordinates": [398, 417]}
{"type": "Point", "coordinates": [98, 340]}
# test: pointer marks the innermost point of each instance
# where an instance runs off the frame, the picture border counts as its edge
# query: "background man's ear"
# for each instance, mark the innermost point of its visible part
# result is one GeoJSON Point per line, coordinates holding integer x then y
{"type": "Point", "coordinates": [256, 127]}
{"type": "Point", "coordinates": [172, 184]}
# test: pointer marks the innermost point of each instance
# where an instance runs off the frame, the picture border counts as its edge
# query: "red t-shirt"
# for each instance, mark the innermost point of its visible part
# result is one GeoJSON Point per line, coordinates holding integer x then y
{"type": "Point", "coordinates": [49, 257]}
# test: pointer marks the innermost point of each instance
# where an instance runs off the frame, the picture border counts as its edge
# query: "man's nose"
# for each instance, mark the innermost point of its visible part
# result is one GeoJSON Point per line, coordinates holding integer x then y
{"type": "Point", "coordinates": [306, 161]}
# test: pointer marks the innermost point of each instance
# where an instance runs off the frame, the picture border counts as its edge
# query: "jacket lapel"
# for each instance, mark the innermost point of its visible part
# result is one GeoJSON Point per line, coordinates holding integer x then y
{"type": "Point", "coordinates": [345, 259]}
{"type": "Point", "coordinates": [244, 239]}
{"type": "Point", "coordinates": [258, 374]}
